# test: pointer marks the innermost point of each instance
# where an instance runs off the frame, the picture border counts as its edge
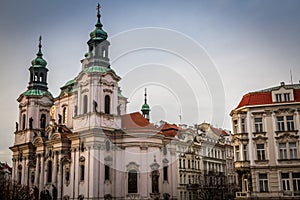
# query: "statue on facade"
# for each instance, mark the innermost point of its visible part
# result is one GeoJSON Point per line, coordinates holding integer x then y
{"type": "Point", "coordinates": [36, 193]}
{"type": "Point", "coordinates": [54, 192]}
{"type": "Point", "coordinates": [95, 106]}
{"type": "Point", "coordinates": [155, 177]}
{"type": "Point", "coordinates": [17, 126]}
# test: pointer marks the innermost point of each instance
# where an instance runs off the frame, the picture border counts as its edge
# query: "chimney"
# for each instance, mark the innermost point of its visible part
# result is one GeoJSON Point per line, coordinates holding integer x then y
{"type": "Point", "coordinates": [282, 83]}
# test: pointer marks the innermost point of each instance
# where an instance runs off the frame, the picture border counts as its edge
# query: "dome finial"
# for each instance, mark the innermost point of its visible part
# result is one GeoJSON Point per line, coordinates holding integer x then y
{"type": "Point", "coordinates": [98, 16]}
{"type": "Point", "coordinates": [145, 95]}
{"type": "Point", "coordinates": [40, 47]}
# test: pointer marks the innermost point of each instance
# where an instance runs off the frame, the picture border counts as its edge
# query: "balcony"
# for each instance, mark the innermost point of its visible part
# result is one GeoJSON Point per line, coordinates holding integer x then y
{"type": "Point", "coordinates": [242, 195]}
{"type": "Point", "coordinates": [241, 164]}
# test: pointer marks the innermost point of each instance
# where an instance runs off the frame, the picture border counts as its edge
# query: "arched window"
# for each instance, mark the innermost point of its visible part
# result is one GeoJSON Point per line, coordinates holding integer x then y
{"type": "Point", "coordinates": [85, 104]}
{"type": "Point", "coordinates": [43, 121]}
{"type": "Point", "coordinates": [103, 52]}
{"type": "Point", "coordinates": [107, 104]}
{"type": "Point", "coordinates": [19, 174]}
{"type": "Point", "coordinates": [31, 76]}
{"type": "Point", "coordinates": [49, 172]}
{"type": "Point", "coordinates": [132, 181]}
{"type": "Point", "coordinates": [23, 121]}
{"type": "Point", "coordinates": [64, 115]}
{"type": "Point", "coordinates": [41, 77]}
{"type": "Point", "coordinates": [36, 77]}
{"type": "Point", "coordinates": [107, 145]}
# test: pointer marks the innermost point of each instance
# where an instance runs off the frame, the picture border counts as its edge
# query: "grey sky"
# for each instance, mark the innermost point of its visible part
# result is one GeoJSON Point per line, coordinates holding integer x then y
{"type": "Point", "coordinates": [253, 44]}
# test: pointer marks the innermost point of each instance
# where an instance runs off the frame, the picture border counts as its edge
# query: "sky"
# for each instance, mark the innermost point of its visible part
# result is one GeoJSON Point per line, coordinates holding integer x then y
{"type": "Point", "coordinates": [196, 58]}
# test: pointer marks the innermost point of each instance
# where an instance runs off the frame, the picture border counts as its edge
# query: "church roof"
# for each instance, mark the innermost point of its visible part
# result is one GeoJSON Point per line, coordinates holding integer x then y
{"type": "Point", "coordinates": [136, 121]}
{"type": "Point", "coordinates": [37, 92]}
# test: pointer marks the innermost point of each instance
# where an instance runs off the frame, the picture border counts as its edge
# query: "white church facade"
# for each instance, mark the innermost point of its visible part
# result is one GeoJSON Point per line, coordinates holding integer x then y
{"type": "Point", "coordinates": [82, 144]}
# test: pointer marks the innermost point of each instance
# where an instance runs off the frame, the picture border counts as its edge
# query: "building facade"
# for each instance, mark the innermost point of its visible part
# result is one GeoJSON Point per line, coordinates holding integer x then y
{"type": "Point", "coordinates": [266, 143]}
{"type": "Point", "coordinates": [82, 144]}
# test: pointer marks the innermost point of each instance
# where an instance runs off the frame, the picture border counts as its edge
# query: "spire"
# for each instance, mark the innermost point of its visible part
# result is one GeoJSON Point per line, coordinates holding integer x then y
{"type": "Point", "coordinates": [38, 72]}
{"type": "Point", "coordinates": [98, 24]}
{"type": "Point", "coordinates": [40, 47]}
{"type": "Point", "coordinates": [146, 108]}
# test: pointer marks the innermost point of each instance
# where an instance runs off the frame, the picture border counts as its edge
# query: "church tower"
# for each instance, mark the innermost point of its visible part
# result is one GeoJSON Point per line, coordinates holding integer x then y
{"type": "Point", "coordinates": [98, 100]}
{"type": "Point", "coordinates": [34, 107]}
{"type": "Point", "coordinates": [146, 108]}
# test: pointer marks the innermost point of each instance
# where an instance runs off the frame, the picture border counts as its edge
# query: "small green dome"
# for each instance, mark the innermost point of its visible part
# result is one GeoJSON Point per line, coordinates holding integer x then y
{"type": "Point", "coordinates": [145, 107]}
{"type": "Point", "coordinates": [98, 33]}
{"type": "Point", "coordinates": [39, 61]}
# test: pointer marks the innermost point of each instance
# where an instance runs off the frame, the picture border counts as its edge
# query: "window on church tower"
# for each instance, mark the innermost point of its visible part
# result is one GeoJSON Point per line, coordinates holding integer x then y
{"type": "Point", "coordinates": [43, 121]}
{"type": "Point", "coordinates": [23, 121]}
{"type": "Point", "coordinates": [49, 172]}
{"type": "Point", "coordinates": [165, 170]}
{"type": "Point", "coordinates": [82, 172]}
{"type": "Point", "coordinates": [36, 77]}
{"type": "Point", "coordinates": [85, 104]}
{"type": "Point", "coordinates": [107, 172]}
{"type": "Point", "coordinates": [65, 115]}
{"type": "Point", "coordinates": [103, 52]}
{"type": "Point", "coordinates": [107, 104]}
{"type": "Point", "coordinates": [41, 77]}
{"type": "Point", "coordinates": [132, 181]}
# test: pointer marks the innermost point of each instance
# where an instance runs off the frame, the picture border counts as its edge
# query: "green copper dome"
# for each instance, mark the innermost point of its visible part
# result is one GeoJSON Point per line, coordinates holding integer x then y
{"type": "Point", "coordinates": [99, 69]}
{"type": "Point", "coordinates": [145, 107]}
{"type": "Point", "coordinates": [98, 33]}
{"type": "Point", "coordinates": [39, 60]}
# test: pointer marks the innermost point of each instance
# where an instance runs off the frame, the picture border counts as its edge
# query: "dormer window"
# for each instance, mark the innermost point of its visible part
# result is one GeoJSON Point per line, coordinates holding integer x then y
{"type": "Point", "coordinates": [278, 97]}
{"type": "Point", "coordinates": [286, 96]}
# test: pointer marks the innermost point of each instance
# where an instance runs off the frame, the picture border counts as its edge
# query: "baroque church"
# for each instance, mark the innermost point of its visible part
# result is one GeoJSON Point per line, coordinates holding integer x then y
{"type": "Point", "coordinates": [83, 144]}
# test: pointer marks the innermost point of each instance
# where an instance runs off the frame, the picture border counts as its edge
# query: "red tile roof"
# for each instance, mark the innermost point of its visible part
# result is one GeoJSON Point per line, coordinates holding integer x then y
{"type": "Point", "coordinates": [263, 97]}
{"type": "Point", "coordinates": [136, 121]}
{"type": "Point", "coordinates": [256, 99]}
{"type": "Point", "coordinates": [169, 130]}
{"type": "Point", "coordinates": [219, 131]}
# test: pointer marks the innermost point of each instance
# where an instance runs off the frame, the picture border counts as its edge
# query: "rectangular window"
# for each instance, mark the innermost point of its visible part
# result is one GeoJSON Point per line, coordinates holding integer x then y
{"type": "Point", "coordinates": [258, 125]}
{"type": "Point", "coordinates": [107, 169]}
{"type": "Point", "coordinates": [245, 151]}
{"type": "Point", "coordinates": [165, 171]}
{"type": "Point", "coordinates": [243, 127]}
{"type": "Point", "coordinates": [280, 123]}
{"type": "Point", "coordinates": [278, 97]}
{"type": "Point", "coordinates": [237, 153]}
{"type": "Point", "coordinates": [282, 151]}
{"type": "Point", "coordinates": [286, 96]}
{"type": "Point", "coordinates": [260, 151]}
{"type": "Point", "coordinates": [235, 125]}
{"type": "Point", "coordinates": [263, 183]}
{"type": "Point", "coordinates": [285, 182]}
{"type": "Point", "coordinates": [290, 123]}
{"type": "Point", "coordinates": [82, 172]}
{"type": "Point", "coordinates": [179, 163]}
{"type": "Point", "coordinates": [293, 150]}
{"type": "Point", "coordinates": [296, 181]}
{"type": "Point", "coordinates": [180, 180]}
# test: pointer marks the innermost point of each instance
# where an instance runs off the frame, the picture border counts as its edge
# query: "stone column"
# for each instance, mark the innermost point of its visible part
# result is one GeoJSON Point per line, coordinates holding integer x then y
{"type": "Point", "coordinates": [54, 169]}
{"type": "Point", "coordinates": [42, 172]}
{"type": "Point", "coordinates": [37, 173]}
{"type": "Point", "coordinates": [59, 175]}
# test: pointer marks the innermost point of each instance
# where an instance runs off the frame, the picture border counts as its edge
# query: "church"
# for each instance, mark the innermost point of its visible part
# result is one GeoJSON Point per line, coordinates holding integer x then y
{"type": "Point", "coordinates": [83, 144]}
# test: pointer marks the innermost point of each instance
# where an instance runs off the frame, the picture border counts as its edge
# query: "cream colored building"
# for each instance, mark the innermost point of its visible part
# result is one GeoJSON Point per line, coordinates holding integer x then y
{"type": "Point", "coordinates": [266, 143]}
